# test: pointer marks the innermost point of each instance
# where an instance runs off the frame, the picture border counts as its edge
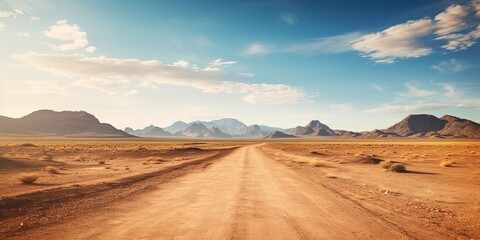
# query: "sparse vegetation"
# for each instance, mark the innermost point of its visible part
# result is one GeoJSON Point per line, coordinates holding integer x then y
{"type": "Point", "coordinates": [101, 162]}
{"type": "Point", "coordinates": [51, 169]}
{"type": "Point", "coordinates": [447, 164]}
{"type": "Point", "coordinates": [28, 178]}
{"type": "Point", "coordinates": [316, 164]}
{"type": "Point", "coordinates": [397, 167]}
{"type": "Point", "coordinates": [28, 145]}
{"type": "Point", "coordinates": [386, 164]}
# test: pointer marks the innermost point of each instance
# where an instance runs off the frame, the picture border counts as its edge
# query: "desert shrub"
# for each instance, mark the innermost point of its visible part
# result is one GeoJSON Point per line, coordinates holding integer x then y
{"type": "Point", "coordinates": [101, 162]}
{"type": "Point", "coordinates": [397, 167]}
{"type": "Point", "coordinates": [316, 164]}
{"type": "Point", "coordinates": [447, 163]}
{"type": "Point", "coordinates": [28, 178]}
{"type": "Point", "coordinates": [386, 164]}
{"type": "Point", "coordinates": [28, 145]}
{"type": "Point", "coordinates": [52, 170]}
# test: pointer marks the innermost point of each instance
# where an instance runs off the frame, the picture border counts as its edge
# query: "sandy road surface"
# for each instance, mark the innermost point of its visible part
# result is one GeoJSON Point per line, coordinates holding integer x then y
{"type": "Point", "coordinates": [246, 195]}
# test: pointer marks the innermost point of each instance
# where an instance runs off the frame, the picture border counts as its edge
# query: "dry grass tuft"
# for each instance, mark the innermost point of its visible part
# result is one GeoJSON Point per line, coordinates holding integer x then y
{"type": "Point", "coordinates": [397, 167]}
{"type": "Point", "coordinates": [447, 163]}
{"type": "Point", "coordinates": [28, 178]}
{"type": "Point", "coordinates": [52, 170]}
{"type": "Point", "coordinates": [386, 164]}
{"type": "Point", "coordinates": [317, 164]}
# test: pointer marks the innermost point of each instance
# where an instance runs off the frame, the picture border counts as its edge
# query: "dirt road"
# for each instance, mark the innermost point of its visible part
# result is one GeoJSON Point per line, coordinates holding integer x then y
{"type": "Point", "coordinates": [246, 195]}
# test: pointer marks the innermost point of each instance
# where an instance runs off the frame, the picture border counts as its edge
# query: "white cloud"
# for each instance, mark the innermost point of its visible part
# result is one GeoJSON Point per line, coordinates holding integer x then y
{"type": "Point", "coordinates": [378, 88]}
{"type": "Point", "coordinates": [63, 31]}
{"type": "Point", "coordinates": [90, 49]}
{"type": "Point", "coordinates": [460, 41]}
{"type": "Point", "coordinates": [416, 91]}
{"type": "Point", "coordinates": [451, 20]}
{"type": "Point", "coordinates": [416, 107]}
{"type": "Point", "coordinates": [399, 41]}
{"type": "Point", "coordinates": [471, 104]}
{"type": "Point", "coordinates": [220, 63]}
{"type": "Point", "coordinates": [34, 18]}
{"type": "Point", "coordinates": [2, 26]}
{"type": "Point", "coordinates": [14, 14]}
{"type": "Point", "coordinates": [22, 34]}
{"type": "Point", "coordinates": [246, 75]}
{"type": "Point", "coordinates": [256, 49]}
{"type": "Point", "coordinates": [451, 66]}
{"type": "Point", "coordinates": [450, 90]}
{"type": "Point", "coordinates": [334, 44]}
{"type": "Point", "coordinates": [476, 6]}
{"type": "Point", "coordinates": [454, 25]}
{"type": "Point", "coordinates": [288, 18]}
{"type": "Point", "coordinates": [131, 92]}
{"type": "Point", "coordinates": [107, 74]}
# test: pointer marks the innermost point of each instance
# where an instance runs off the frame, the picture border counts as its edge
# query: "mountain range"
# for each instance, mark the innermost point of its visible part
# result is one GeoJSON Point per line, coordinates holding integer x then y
{"type": "Point", "coordinates": [83, 124]}
{"type": "Point", "coordinates": [66, 123]}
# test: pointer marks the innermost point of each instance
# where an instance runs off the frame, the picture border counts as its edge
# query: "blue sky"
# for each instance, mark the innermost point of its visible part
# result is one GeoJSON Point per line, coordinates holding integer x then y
{"type": "Point", "coordinates": [353, 65]}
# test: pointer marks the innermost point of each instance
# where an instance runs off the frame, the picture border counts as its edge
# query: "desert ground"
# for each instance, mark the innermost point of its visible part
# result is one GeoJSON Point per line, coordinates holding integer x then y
{"type": "Point", "coordinates": [154, 189]}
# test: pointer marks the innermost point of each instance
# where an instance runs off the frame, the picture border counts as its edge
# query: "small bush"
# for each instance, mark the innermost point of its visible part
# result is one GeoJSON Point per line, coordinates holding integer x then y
{"type": "Point", "coordinates": [52, 170]}
{"type": "Point", "coordinates": [397, 167]}
{"type": "Point", "coordinates": [386, 164]}
{"type": "Point", "coordinates": [447, 164]}
{"type": "Point", "coordinates": [316, 164]}
{"type": "Point", "coordinates": [101, 162]}
{"type": "Point", "coordinates": [28, 178]}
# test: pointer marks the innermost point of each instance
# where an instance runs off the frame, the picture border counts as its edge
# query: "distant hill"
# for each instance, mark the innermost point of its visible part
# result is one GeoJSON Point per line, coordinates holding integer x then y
{"type": "Point", "coordinates": [278, 134]}
{"type": "Point", "coordinates": [253, 131]}
{"type": "Point", "coordinates": [176, 127]}
{"type": "Point", "coordinates": [230, 126]}
{"type": "Point", "coordinates": [150, 131]}
{"type": "Point", "coordinates": [66, 123]}
{"type": "Point", "coordinates": [198, 130]}
{"type": "Point", "coordinates": [424, 125]}
{"type": "Point", "coordinates": [313, 128]}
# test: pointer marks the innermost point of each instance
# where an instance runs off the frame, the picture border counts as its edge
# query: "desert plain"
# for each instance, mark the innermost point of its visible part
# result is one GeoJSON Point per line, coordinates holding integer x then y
{"type": "Point", "coordinates": [269, 189]}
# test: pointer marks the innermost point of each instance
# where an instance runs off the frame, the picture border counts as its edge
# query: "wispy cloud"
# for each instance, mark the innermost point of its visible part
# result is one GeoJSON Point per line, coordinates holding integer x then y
{"type": "Point", "coordinates": [288, 18]}
{"type": "Point", "coordinates": [63, 31]}
{"type": "Point", "coordinates": [405, 40]}
{"type": "Point", "coordinates": [256, 49]}
{"type": "Point", "coordinates": [399, 41]}
{"type": "Point", "coordinates": [415, 91]}
{"type": "Point", "coordinates": [2, 26]}
{"type": "Point", "coordinates": [11, 14]}
{"type": "Point", "coordinates": [452, 66]}
{"type": "Point", "coordinates": [246, 75]}
{"type": "Point", "coordinates": [107, 74]}
{"type": "Point", "coordinates": [325, 45]}
{"type": "Point", "coordinates": [450, 90]}
{"type": "Point", "coordinates": [378, 88]}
